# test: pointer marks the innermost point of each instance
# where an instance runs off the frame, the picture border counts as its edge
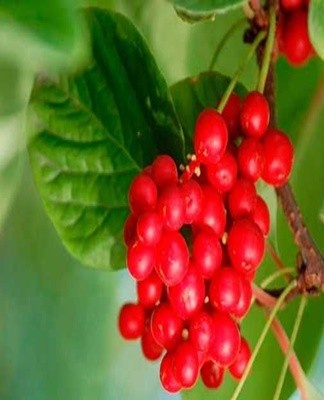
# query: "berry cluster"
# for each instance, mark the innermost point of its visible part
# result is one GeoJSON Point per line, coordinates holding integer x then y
{"type": "Point", "coordinates": [292, 31]}
{"type": "Point", "coordinates": [195, 243]}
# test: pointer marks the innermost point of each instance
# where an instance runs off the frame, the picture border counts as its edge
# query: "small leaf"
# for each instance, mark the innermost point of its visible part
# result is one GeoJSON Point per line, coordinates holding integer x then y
{"type": "Point", "coordinates": [193, 94]}
{"type": "Point", "coordinates": [196, 10]}
{"type": "Point", "coordinates": [316, 25]}
{"type": "Point", "coordinates": [94, 133]}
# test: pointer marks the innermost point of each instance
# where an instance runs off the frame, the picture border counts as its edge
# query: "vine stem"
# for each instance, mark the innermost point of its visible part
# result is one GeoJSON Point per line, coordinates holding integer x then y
{"type": "Point", "coordinates": [264, 298]}
{"type": "Point", "coordinates": [238, 24]}
{"type": "Point", "coordinates": [261, 36]}
{"type": "Point", "coordinates": [266, 62]}
{"type": "Point", "coordinates": [289, 351]}
{"type": "Point", "coordinates": [260, 341]}
{"type": "Point", "coordinates": [294, 364]}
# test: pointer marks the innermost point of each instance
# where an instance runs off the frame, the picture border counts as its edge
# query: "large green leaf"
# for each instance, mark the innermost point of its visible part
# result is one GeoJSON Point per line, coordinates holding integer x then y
{"type": "Point", "coordinates": [190, 96]}
{"type": "Point", "coordinates": [316, 25]}
{"type": "Point", "coordinates": [94, 133]}
{"type": "Point", "coordinates": [196, 10]}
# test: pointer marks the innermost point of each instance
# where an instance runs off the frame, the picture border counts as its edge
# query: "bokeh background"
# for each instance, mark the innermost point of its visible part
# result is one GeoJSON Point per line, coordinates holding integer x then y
{"type": "Point", "coordinates": [58, 335]}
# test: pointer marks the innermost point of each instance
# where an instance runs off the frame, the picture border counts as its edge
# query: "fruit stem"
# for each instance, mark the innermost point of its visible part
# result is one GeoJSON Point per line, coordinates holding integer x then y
{"type": "Point", "coordinates": [289, 351]}
{"type": "Point", "coordinates": [264, 298]}
{"type": "Point", "coordinates": [261, 35]}
{"type": "Point", "coordinates": [260, 341]}
{"type": "Point", "coordinates": [286, 272]}
{"type": "Point", "coordinates": [267, 51]}
{"type": "Point", "coordinates": [238, 24]}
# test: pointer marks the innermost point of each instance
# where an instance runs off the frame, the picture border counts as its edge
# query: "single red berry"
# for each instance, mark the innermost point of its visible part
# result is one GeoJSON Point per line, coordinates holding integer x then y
{"type": "Point", "coordinates": [261, 215]}
{"type": "Point", "coordinates": [172, 258]}
{"type": "Point", "coordinates": [171, 206]}
{"type": "Point", "coordinates": [201, 331]}
{"type": "Point", "coordinates": [291, 4]}
{"type": "Point", "coordinates": [142, 195]}
{"type": "Point", "coordinates": [164, 171]}
{"type": "Point", "coordinates": [210, 136]}
{"type": "Point", "coordinates": [243, 305]}
{"type": "Point", "coordinates": [167, 378]}
{"type": "Point", "coordinates": [255, 114]}
{"type": "Point", "coordinates": [130, 230]}
{"type": "Point", "coordinates": [150, 348]}
{"type": "Point", "coordinates": [226, 341]}
{"type": "Point", "coordinates": [212, 374]}
{"type": "Point", "coordinates": [149, 228]}
{"type": "Point", "coordinates": [149, 290]}
{"type": "Point", "coordinates": [231, 115]}
{"type": "Point", "coordinates": [187, 297]}
{"type": "Point", "coordinates": [213, 213]}
{"type": "Point", "coordinates": [223, 174]}
{"type": "Point", "coordinates": [242, 199]}
{"type": "Point", "coordinates": [185, 364]}
{"type": "Point", "coordinates": [298, 47]}
{"type": "Point", "coordinates": [225, 289]}
{"type": "Point", "coordinates": [245, 245]}
{"type": "Point", "coordinates": [140, 260]}
{"type": "Point", "coordinates": [207, 252]}
{"type": "Point", "coordinates": [278, 156]}
{"type": "Point", "coordinates": [251, 159]}
{"type": "Point", "coordinates": [166, 326]}
{"type": "Point", "coordinates": [193, 197]}
{"type": "Point", "coordinates": [131, 321]}
{"type": "Point", "coordinates": [238, 367]}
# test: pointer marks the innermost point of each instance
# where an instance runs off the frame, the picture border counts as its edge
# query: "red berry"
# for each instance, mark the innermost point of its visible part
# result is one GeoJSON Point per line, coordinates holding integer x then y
{"type": "Point", "coordinates": [242, 199]}
{"type": "Point", "coordinates": [207, 252]}
{"type": "Point", "coordinates": [130, 230]}
{"type": "Point", "coordinates": [150, 348]}
{"type": "Point", "coordinates": [226, 341]}
{"type": "Point", "coordinates": [187, 297]}
{"type": "Point", "coordinates": [225, 289]}
{"type": "Point", "coordinates": [278, 156]}
{"type": "Point", "coordinates": [213, 212]}
{"type": "Point", "coordinates": [149, 290]}
{"type": "Point", "coordinates": [171, 207]}
{"type": "Point", "coordinates": [193, 197]}
{"type": "Point", "coordinates": [291, 4]}
{"type": "Point", "coordinates": [131, 321]}
{"type": "Point", "coordinates": [255, 114]}
{"type": "Point", "coordinates": [261, 215]}
{"type": "Point", "coordinates": [243, 305]}
{"type": "Point", "coordinates": [238, 367]}
{"type": "Point", "coordinates": [245, 245]}
{"type": "Point", "coordinates": [167, 378]}
{"type": "Point", "coordinates": [231, 115]}
{"type": "Point", "coordinates": [298, 47]}
{"type": "Point", "coordinates": [149, 228]}
{"type": "Point", "coordinates": [201, 331]}
{"type": "Point", "coordinates": [164, 171]}
{"type": "Point", "coordinates": [251, 159]}
{"type": "Point", "coordinates": [185, 364]}
{"type": "Point", "coordinates": [212, 374]}
{"type": "Point", "coordinates": [142, 195]}
{"type": "Point", "coordinates": [166, 326]}
{"type": "Point", "coordinates": [140, 260]}
{"type": "Point", "coordinates": [172, 258]}
{"type": "Point", "coordinates": [210, 136]}
{"type": "Point", "coordinates": [223, 174]}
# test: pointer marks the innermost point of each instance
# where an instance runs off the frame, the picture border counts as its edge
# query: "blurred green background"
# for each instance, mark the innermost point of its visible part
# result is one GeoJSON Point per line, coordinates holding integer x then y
{"type": "Point", "coordinates": [58, 336]}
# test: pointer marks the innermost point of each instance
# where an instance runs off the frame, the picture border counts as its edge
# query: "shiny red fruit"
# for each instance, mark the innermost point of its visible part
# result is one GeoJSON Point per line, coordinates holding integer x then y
{"type": "Point", "coordinates": [185, 364]}
{"type": "Point", "coordinates": [238, 367]}
{"type": "Point", "coordinates": [142, 195]}
{"type": "Point", "coordinates": [212, 374]}
{"type": "Point", "coordinates": [255, 114]}
{"type": "Point", "coordinates": [131, 321]}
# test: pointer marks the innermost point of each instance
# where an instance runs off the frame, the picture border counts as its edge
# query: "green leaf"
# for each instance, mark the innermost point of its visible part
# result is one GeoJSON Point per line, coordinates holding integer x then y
{"type": "Point", "coordinates": [193, 94]}
{"type": "Point", "coordinates": [94, 133]}
{"type": "Point", "coordinates": [316, 25]}
{"type": "Point", "coordinates": [196, 10]}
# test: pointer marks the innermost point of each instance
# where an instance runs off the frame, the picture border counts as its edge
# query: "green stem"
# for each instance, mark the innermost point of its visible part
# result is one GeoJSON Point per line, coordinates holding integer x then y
{"type": "Point", "coordinates": [267, 51]}
{"type": "Point", "coordinates": [228, 34]}
{"type": "Point", "coordinates": [284, 271]}
{"type": "Point", "coordinates": [294, 333]}
{"type": "Point", "coordinates": [260, 341]}
{"type": "Point", "coordinates": [261, 35]}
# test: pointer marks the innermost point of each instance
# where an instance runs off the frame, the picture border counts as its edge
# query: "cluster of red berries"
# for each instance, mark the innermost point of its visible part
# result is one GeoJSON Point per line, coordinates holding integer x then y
{"type": "Point", "coordinates": [292, 31]}
{"type": "Point", "coordinates": [195, 242]}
